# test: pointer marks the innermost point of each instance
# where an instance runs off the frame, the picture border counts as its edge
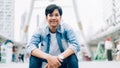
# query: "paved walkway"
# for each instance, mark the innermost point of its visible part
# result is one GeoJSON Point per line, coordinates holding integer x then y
{"type": "Point", "coordinates": [83, 64]}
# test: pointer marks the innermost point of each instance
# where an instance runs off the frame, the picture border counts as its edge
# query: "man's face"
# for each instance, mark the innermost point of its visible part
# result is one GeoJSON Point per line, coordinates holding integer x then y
{"type": "Point", "coordinates": [53, 19]}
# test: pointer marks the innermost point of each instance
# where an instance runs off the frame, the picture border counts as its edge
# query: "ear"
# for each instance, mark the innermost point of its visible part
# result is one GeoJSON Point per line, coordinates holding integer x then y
{"type": "Point", "coordinates": [60, 17]}
{"type": "Point", "coordinates": [46, 17]}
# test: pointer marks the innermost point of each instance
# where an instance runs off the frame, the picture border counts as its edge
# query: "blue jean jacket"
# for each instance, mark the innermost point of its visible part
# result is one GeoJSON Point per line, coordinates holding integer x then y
{"type": "Point", "coordinates": [64, 34]}
{"type": "Point", "coordinates": [65, 38]}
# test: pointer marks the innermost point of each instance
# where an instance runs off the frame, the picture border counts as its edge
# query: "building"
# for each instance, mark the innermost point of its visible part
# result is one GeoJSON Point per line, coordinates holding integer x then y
{"type": "Point", "coordinates": [111, 11]}
{"type": "Point", "coordinates": [7, 18]}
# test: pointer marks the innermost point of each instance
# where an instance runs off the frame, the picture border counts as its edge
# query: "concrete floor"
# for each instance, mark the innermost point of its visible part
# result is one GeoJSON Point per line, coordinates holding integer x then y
{"type": "Point", "coordinates": [94, 64]}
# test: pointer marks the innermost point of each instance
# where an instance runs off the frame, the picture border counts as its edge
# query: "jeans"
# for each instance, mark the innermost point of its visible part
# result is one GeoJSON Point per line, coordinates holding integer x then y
{"type": "Point", "coordinates": [70, 62]}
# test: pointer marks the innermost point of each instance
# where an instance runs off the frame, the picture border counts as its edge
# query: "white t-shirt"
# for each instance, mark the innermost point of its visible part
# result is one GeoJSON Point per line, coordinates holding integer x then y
{"type": "Point", "coordinates": [54, 48]}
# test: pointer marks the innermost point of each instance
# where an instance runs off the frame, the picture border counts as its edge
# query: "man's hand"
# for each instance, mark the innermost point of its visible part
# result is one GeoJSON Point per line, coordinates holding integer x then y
{"type": "Point", "coordinates": [53, 61]}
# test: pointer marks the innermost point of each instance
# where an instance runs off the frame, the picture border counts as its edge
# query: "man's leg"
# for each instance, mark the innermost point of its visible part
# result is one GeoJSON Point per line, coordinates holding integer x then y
{"type": "Point", "coordinates": [64, 64]}
{"type": "Point", "coordinates": [22, 57]}
{"type": "Point", "coordinates": [35, 62]}
{"type": "Point", "coordinates": [72, 61]}
{"type": "Point", "coordinates": [109, 55]}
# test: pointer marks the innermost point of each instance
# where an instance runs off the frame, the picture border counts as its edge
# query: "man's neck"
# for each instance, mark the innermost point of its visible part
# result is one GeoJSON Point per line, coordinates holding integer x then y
{"type": "Point", "coordinates": [53, 30]}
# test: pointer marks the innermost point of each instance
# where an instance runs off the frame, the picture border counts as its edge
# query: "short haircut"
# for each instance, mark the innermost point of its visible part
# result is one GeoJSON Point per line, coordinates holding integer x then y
{"type": "Point", "coordinates": [50, 8]}
{"type": "Point", "coordinates": [8, 41]}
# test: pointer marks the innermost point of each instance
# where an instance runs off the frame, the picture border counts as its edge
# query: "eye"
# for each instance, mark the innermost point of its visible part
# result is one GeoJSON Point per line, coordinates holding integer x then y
{"type": "Point", "coordinates": [50, 15]}
{"type": "Point", "coordinates": [57, 15]}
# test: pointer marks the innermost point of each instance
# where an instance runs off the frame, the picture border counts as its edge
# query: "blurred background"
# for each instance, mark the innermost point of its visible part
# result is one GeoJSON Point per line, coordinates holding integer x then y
{"type": "Point", "coordinates": [95, 22]}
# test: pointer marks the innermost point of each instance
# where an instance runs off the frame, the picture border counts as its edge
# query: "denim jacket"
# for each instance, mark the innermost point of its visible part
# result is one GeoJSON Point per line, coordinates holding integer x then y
{"type": "Point", "coordinates": [64, 34]}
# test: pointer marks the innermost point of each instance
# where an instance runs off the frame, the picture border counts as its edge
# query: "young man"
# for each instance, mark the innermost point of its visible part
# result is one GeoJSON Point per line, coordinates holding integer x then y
{"type": "Point", "coordinates": [54, 46]}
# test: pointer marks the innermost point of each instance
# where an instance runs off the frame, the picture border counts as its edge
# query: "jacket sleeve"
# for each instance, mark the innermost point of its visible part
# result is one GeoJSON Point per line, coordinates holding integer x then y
{"type": "Point", "coordinates": [34, 41]}
{"type": "Point", "coordinates": [72, 40]}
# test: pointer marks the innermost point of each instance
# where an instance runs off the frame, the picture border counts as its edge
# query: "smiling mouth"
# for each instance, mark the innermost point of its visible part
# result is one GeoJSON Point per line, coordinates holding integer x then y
{"type": "Point", "coordinates": [53, 21]}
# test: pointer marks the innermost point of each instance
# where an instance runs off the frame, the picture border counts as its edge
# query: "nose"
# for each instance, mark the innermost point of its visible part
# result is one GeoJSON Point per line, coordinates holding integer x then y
{"type": "Point", "coordinates": [53, 17]}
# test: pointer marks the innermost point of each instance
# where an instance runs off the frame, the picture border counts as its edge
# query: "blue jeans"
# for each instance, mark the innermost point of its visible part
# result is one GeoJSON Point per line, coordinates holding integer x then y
{"type": "Point", "coordinates": [70, 62]}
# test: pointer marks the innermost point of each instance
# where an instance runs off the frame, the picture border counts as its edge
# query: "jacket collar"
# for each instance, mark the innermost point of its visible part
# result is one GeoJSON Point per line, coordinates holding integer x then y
{"type": "Point", "coordinates": [59, 29]}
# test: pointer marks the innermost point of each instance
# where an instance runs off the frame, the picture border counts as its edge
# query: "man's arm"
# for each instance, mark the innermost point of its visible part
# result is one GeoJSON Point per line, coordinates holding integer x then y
{"type": "Point", "coordinates": [53, 61]}
{"type": "Point", "coordinates": [66, 53]}
{"type": "Point", "coordinates": [73, 45]}
{"type": "Point", "coordinates": [35, 51]}
{"type": "Point", "coordinates": [38, 53]}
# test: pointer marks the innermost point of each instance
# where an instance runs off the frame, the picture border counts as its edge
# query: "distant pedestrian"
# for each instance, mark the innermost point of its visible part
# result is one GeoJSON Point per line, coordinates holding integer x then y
{"type": "Point", "coordinates": [22, 53]}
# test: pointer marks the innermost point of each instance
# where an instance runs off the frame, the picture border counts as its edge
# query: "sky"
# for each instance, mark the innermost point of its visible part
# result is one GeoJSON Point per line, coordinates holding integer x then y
{"type": "Point", "coordinates": [91, 15]}
{"type": "Point", "coordinates": [20, 7]}
{"type": "Point", "coordinates": [89, 11]}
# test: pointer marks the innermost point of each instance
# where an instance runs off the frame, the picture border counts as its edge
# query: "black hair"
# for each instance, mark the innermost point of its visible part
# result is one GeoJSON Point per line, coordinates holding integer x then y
{"type": "Point", "coordinates": [7, 41]}
{"type": "Point", "coordinates": [50, 8]}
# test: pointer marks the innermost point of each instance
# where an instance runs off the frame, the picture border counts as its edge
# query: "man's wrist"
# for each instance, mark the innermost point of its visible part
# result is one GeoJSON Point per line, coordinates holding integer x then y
{"type": "Point", "coordinates": [61, 57]}
{"type": "Point", "coordinates": [46, 56]}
